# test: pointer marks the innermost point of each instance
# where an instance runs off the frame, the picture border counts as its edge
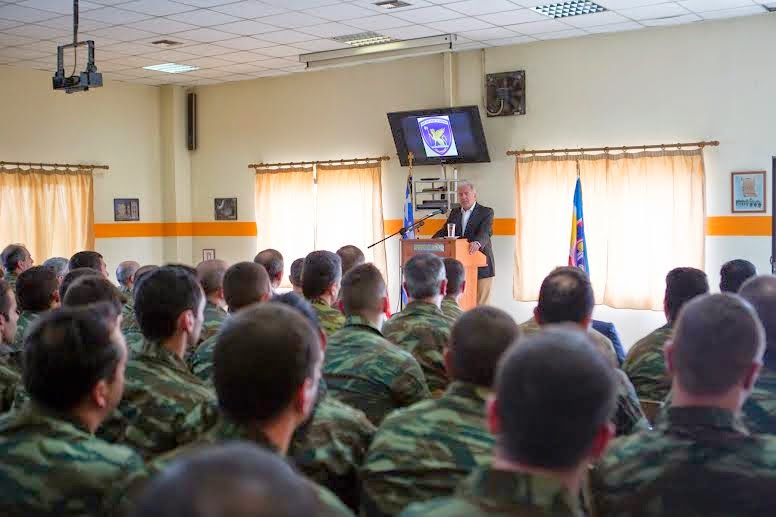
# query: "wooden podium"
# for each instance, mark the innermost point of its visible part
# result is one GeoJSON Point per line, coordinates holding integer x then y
{"type": "Point", "coordinates": [452, 248]}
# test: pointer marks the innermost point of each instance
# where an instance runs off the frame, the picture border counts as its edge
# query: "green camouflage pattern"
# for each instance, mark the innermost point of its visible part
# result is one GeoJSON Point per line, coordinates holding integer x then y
{"type": "Point", "coordinates": [699, 461]}
{"type": "Point", "coordinates": [603, 343]}
{"type": "Point", "coordinates": [9, 384]}
{"type": "Point", "coordinates": [450, 308]}
{"type": "Point", "coordinates": [330, 318]}
{"type": "Point", "coordinates": [629, 418]}
{"type": "Point", "coordinates": [135, 342]}
{"type": "Point", "coordinates": [422, 330]}
{"type": "Point", "coordinates": [645, 365]}
{"type": "Point", "coordinates": [54, 466]}
{"type": "Point", "coordinates": [213, 319]}
{"type": "Point", "coordinates": [369, 373]}
{"type": "Point", "coordinates": [26, 318]}
{"type": "Point", "coordinates": [128, 318]}
{"type": "Point", "coordinates": [164, 405]}
{"type": "Point", "coordinates": [424, 451]}
{"type": "Point", "coordinates": [11, 278]}
{"type": "Point", "coordinates": [488, 491]}
{"type": "Point", "coordinates": [201, 361]}
{"type": "Point", "coordinates": [759, 411]}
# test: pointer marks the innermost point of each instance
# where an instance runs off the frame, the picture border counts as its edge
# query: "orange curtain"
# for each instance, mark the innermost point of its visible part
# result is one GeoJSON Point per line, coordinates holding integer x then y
{"type": "Point", "coordinates": [50, 212]}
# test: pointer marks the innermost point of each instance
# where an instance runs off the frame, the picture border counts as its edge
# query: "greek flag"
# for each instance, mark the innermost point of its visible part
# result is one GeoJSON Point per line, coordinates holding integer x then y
{"type": "Point", "coordinates": [409, 210]}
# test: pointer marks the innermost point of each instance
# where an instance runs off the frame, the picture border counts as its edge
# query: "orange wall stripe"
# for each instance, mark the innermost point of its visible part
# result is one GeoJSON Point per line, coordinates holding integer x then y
{"type": "Point", "coordinates": [739, 226]}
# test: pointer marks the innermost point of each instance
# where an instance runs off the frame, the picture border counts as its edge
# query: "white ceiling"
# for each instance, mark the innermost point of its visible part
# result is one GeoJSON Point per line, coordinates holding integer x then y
{"type": "Point", "coordinates": [237, 40]}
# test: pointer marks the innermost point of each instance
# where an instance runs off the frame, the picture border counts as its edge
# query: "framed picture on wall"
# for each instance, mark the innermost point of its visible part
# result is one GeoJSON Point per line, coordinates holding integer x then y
{"type": "Point", "coordinates": [126, 209]}
{"type": "Point", "coordinates": [748, 192]}
{"type": "Point", "coordinates": [208, 254]}
{"type": "Point", "coordinates": [226, 208]}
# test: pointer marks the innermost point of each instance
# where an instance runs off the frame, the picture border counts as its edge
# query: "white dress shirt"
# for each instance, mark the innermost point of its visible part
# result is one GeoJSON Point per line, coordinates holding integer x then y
{"type": "Point", "coordinates": [465, 215]}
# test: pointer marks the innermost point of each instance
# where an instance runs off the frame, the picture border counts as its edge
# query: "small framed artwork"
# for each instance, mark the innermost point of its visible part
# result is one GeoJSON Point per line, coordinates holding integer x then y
{"type": "Point", "coordinates": [226, 208]}
{"type": "Point", "coordinates": [208, 254]}
{"type": "Point", "coordinates": [748, 192]}
{"type": "Point", "coordinates": [126, 209]}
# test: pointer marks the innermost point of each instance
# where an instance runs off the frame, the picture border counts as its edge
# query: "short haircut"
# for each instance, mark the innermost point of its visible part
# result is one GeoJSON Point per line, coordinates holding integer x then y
{"type": "Point", "coordinates": [295, 275]}
{"type": "Point", "coordinates": [733, 274]}
{"type": "Point", "coordinates": [126, 270]}
{"type": "Point", "coordinates": [423, 276]}
{"type": "Point", "coordinates": [321, 269]}
{"type": "Point", "coordinates": [90, 259]}
{"type": "Point", "coordinates": [682, 285]}
{"type": "Point", "coordinates": [245, 283]}
{"type": "Point", "coordinates": [72, 276]}
{"type": "Point", "coordinates": [236, 479]}
{"type": "Point", "coordinates": [566, 296]}
{"type": "Point", "coordinates": [456, 276]}
{"type": "Point", "coordinates": [6, 294]}
{"type": "Point", "coordinates": [554, 392]}
{"type": "Point", "coordinates": [760, 291]}
{"type": "Point", "coordinates": [210, 274]}
{"type": "Point", "coordinates": [363, 290]}
{"type": "Point", "coordinates": [477, 341]}
{"type": "Point", "coordinates": [272, 260]}
{"type": "Point", "coordinates": [301, 305]}
{"type": "Point", "coordinates": [12, 255]}
{"type": "Point", "coordinates": [57, 264]}
{"type": "Point", "coordinates": [35, 288]}
{"type": "Point", "coordinates": [716, 339]}
{"type": "Point", "coordinates": [161, 297]}
{"type": "Point", "coordinates": [66, 352]}
{"type": "Point", "coordinates": [263, 355]}
{"type": "Point", "coordinates": [140, 273]}
{"type": "Point", "coordinates": [91, 289]}
{"type": "Point", "coordinates": [351, 257]}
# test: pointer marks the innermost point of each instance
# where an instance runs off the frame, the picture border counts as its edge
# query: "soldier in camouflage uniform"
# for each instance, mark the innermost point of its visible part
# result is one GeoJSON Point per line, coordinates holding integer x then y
{"type": "Point", "coordinates": [421, 328]}
{"type": "Point", "coordinates": [125, 275]}
{"type": "Point", "coordinates": [52, 462]}
{"type": "Point", "coordinates": [129, 323]}
{"type": "Point", "coordinates": [362, 368]}
{"type": "Point", "coordinates": [16, 260]}
{"type": "Point", "coordinates": [700, 460]}
{"type": "Point", "coordinates": [9, 377]}
{"type": "Point", "coordinates": [164, 404]}
{"type": "Point", "coordinates": [210, 274]}
{"type": "Point", "coordinates": [456, 284]}
{"type": "Point", "coordinates": [37, 291]}
{"type": "Point", "coordinates": [645, 363]}
{"type": "Point", "coordinates": [272, 261]}
{"type": "Point", "coordinates": [542, 454]}
{"type": "Point", "coordinates": [321, 277]}
{"type": "Point", "coordinates": [423, 451]}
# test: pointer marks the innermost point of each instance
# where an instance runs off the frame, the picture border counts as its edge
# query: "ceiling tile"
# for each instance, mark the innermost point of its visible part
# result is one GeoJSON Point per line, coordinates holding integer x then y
{"type": "Point", "coordinates": [207, 62]}
{"type": "Point", "coordinates": [699, 6]}
{"type": "Point", "coordinates": [318, 45]}
{"type": "Point", "coordinates": [488, 34]}
{"type": "Point", "coordinates": [113, 16]}
{"type": "Point", "coordinates": [65, 24]}
{"type": "Point", "coordinates": [22, 53]}
{"type": "Point", "coordinates": [460, 25]}
{"type": "Point", "coordinates": [246, 27]}
{"type": "Point", "coordinates": [250, 9]}
{"type": "Point", "coordinates": [296, 5]}
{"type": "Point", "coordinates": [162, 26]}
{"type": "Point", "coordinates": [530, 29]}
{"type": "Point", "coordinates": [277, 63]}
{"type": "Point", "coordinates": [339, 12]}
{"type": "Point", "coordinates": [120, 33]}
{"type": "Point", "coordinates": [204, 18]}
{"type": "Point", "coordinates": [286, 37]}
{"type": "Point", "coordinates": [293, 20]}
{"type": "Point", "coordinates": [6, 24]}
{"type": "Point", "coordinates": [411, 32]}
{"type": "Point", "coordinates": [204, 49]}
{"type": "Point", "coordinates": [672, 20]}
{"type": "Point", "coordinates": [205, 35]}
{"type": "Point", "coordinates": [25, 14]}
{"type": "Point", "coordinates": [414, 4]}
{"type": "Point", "coordinates": [31, 30]}
{"type": "Point", "coordinates": [58, 6]}
{"type": "Point", "coordinates": [330, 30]}
{"type": "Point", "coordinates": [616, 27]}
{"type": "Point", "coordinates": [732, 13]}
{"type": "Point", "coordinates": [476, 7]}
{"type": "Point", "coordinates": [653, 12]}
{"type": "Point", "coordinates": [427, 14]}
{"type": "Point", "coordinates": [112, 66]}
{"type": "Point", "coordinates": [513, 17]}
{"type": "Point", "coordinates": [241, 68]}
{"type": "Point", "coordinates": [627, 4]}
{"type": "Point", "coordinates": [244, 43]}
{"type": "Point", "coordinates": [9, 40]}
{"type": "Point", "coordinates": [243, 56]}
{"type": "Point", "coordinates": [157, 7]}
{"type": "Point", "coordinates": [593, 20]}
{"type": "Point", "coordinates": [207, 72]}
{"type": "Point", "coordinates": [204, 3]}
{"type": "Point", "coordinates": [279, 51]}
{"type": "Point", "coordinates": [379, 22]}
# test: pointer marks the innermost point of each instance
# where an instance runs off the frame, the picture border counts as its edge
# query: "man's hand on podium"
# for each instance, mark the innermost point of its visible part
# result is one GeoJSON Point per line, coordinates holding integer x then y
{"type": "Point", "coordinates": [474, 247]}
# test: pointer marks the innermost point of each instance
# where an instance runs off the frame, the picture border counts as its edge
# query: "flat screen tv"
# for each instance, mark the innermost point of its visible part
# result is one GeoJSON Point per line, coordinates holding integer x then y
{"type": "Point", "coordinates": [438, 136]}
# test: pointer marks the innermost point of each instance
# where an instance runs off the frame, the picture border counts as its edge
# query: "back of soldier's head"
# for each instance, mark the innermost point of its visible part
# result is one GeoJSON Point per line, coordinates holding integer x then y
{"type": "Point", "coordinates": [73, 275]}
{"type": "Point", "coordinates": [301, 305]}
{"type": "Point", "coordinates": [272, 261]}
{"type": "Point", "coordinates": [36, 289]}
{"type": "Point", "coordinates": [733, 274]}
{"type": "Point", "coordinates": [682, 285]}
{"type": "Point", "coordinates": [12, 255]}
{"type": "Point", "coordinates": [423, 276]}
{"type": "Point", "coordinates": [210, 274]}
{"type": "Point", "coordinates": [554, 393]}
{"type": "Point", "coordinates": [351, 257]}
{"type": "Point", "coordinates": [141, 272]}
{"type": "Point", "coordinates": [566, 296]}
{"type": "Point", "coordinates": [161, 296]}
{"type": "Point", "coordinates": [236, 479]}
{"type": "Point", "coordinates": [245, 283]}
{"type": "Point", "coordinates": [456, 276]}
{"type": "Point", "coordinates": [90, 259]}
{"type": "Point", "coordinates": [716, 340]}
{"type": "Point", "coordinates": [477, 341]}
{"type": "Point", "coordinates": [263, 355]}
{"type": "Point", "coordinates": [363, 290]}
{"type": "Point", "coordinates": [66, 352]}
{"type": "Point", "coordinates": [126, 271]}
{"type": "Point", "coordinates": [91, 289]}
{"type": "Point", "coordinates": [760, 291]}
{"type": "Point", "coordinates": [58, 265]}
{"type": "Point", "coordinates": [321, 270]}
{"type": "Point", "coordinates": [295, 274]}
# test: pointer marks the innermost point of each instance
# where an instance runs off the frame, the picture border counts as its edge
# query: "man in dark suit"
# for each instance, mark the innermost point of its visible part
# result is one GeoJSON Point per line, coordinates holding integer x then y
{"type": "Point", "coordinates": [474, 223]}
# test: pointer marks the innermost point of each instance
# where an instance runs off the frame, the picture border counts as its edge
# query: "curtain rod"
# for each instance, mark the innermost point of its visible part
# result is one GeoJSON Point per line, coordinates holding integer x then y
{"type": "Point", "coordinates": [319, 162]}
{"type": "Point", "coordinates": [713, 143]}
{"type": "Point", "coordinates": [65, 166]}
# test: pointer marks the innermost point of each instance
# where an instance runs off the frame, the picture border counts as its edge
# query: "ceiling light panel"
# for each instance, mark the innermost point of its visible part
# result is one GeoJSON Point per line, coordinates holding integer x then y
{"type": "Point", "coordinates": [570, 8]}
{"type": "Point", "coordinates": [171, 68]}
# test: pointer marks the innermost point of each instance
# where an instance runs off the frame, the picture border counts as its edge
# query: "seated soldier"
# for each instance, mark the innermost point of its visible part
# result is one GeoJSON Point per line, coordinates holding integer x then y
{"type": "Point", "coordinates": [295, 276]}
{"type": "Point", "coordinates": [37, 291]}
{"type": "Point", "coordinates": [125, 275]}
{"type": "Point", "coordinates": [321, 279]}
{"type": "Point", "coordinates": [210, 274]}
{"type": "Point", "coordinates": [129, 323]}
{"type": "Point", "coordinates": [244, 284]}
{"type": "Point", "coordinates": [456, 285]}
{"type": "Point", "coordinates": [700, 460]}
{"type": "Point", "coordinates": [423, 451]}
{"type": "Point", "coordinates": [16, 260]}
{"type": "Point", "coordinates": [52, 462]}
{"type": "Point", "coordinates": [164, 404]}
{"type": "Point", "coordinates": [362, 368]}
{"type": "Point", "coordinates": [58, 265]}
{"type": "Point", "coordinates": [351, 256]}
{"type": "Point", "coordinates": [542, 453]}
{"type": "Point", "coordinates": [272, 261]}
{"type": "Point", "coordinates": [645, 363]}
{"type": "Point", "coordinates": [421, 328]}
{"type": "Point", "coordinates": [90, 259]}
{"type": "Point", "coordinates": [734, 273]}
{"type": "Point", "coordinates": [9, 376]}
{"type": "Point", "coordinates": [236, 479]}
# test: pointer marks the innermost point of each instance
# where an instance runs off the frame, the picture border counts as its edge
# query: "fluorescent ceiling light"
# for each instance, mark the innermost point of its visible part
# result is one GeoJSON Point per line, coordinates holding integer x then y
{"type": "Point", "coordinates": [392, 4]}
{"type": "Point", "coordinates": [363, 38]}
{"type": "Point", "coordinates": [171, 68]}
{"type": "Point", "coordinates": [392, 50]}
{"type": "Point", "coordinates": [569, 8]}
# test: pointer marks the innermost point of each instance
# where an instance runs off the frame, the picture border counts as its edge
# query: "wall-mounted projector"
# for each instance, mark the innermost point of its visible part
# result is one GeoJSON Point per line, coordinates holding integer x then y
{"type": "Point", "coordinates": [89, 78]}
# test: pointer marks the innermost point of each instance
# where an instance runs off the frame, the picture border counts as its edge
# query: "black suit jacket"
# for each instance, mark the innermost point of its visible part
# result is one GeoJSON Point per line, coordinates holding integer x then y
{"type": "Point", "coordinates": [479, 229]}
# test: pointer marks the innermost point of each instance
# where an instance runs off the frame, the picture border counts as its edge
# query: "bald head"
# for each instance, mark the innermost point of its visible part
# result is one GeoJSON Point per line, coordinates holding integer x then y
{"type": "Point", "coordinates": [125, 273]}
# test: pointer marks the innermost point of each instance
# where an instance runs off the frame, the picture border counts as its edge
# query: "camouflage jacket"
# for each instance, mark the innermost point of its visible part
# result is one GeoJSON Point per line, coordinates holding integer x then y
{"type": "Point", "coordinates": [699, 461]}
{"type": "Point", "coordinates": [9, 382]}
{"type": "Point", "coordinates": [629, 418]}
{"type": "Point", "coordinates": [759, 411]}
{"type": "Point", "coordinates": [135, 342]}
{"type": "Point", "coordinates": [331, 446]}
{"type": "Point", "coordinates": [26, 318]}
{"type": "Point", "coordinates": [424, 451]}
{"type": "Point", "coordinates": [368, 372]}
{"type": "Point", "coordinates": [128, 319]}
{"type": "Point", "coordinates": [450, 308]}
{"type": "Point", "coordinates": [53, 465]}
{"type": "Point", "coordinates": [126, 292]}
{"type": "Point", "coordinates": [645, 365]}
{"type": "Point", "coordinates": [11, 278]}
{"type": "Point", "coordinates": [164, 405]}
{"type": "Point", "coordinates": [422, 330]}
{"type": "Point", "coordinates": [603, 343]}
{"type": "Point", "coordinates": [214, 318]}
{"type": "Point", "coordinates": [502, 493]}
{"type": "Point", "coordinates": [330, 318]}
{"type": "Point", "coordinates": [201, 361]}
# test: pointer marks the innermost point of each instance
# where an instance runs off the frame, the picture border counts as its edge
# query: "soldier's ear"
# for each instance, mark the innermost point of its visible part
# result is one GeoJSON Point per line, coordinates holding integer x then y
{"type": "Point", "coordinates": [101, 394]}
{"type": "Point", "coordinates": [601, 441]}
{"type": "Point", "coordinates": [494, 418]}
{"type": "Point", "coordinates": [443, 289]}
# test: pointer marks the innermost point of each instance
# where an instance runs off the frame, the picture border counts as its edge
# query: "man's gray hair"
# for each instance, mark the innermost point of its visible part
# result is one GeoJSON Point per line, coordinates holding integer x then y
{"type": "Point", "coordinates": [125, 271]}
{"type": "Point", "coordinates": [467, 183]}
{"type": "Point", "coordinates": [423, 276]}
{"type": "Point", "coordinates": [58, 265]}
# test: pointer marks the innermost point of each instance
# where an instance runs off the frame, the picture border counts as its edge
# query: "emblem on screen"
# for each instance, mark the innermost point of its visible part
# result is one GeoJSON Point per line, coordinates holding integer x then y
{"type": "Point", "coordinates": [437, 136]}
